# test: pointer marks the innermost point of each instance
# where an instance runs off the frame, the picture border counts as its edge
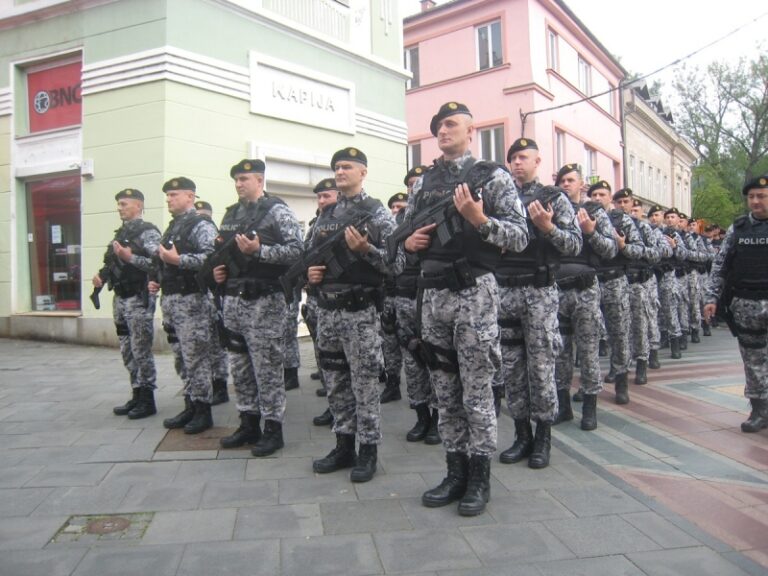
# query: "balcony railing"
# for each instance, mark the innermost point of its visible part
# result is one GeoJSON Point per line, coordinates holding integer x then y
{"type": "Point", "coordinates": [329, 17]}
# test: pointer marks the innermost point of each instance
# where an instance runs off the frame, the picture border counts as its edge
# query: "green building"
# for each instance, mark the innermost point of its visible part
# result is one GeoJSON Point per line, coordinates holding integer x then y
{"type": "Point", "coordinates": [101, 95]}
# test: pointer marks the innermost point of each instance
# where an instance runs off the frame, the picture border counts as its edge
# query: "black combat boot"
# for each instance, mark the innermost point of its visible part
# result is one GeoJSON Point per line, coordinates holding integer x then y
{"type": "Point", "coordinates": [758, 418]}
{"type": "Point", "coordinates": [325, 419]}
{"type": "Point", "coordinates": [220, 394]}
{"type": "Point", "coordinates": [291, 378]}
{"type": "Point", "coordinates": [498, 395]}
{"type": "Point", "coordinates": [622, 389]}
{"type": "Point", "coordinates": [271, 440]}
{"type": "Point", "coordinates": [602, 348]}
{"type": "Point", "coordinates": [653, 360]}
{"type": "Point", "coordinates": [315, 375]}
{"type": "Point", "coordinates": [610, 378]}
{"type": "Point", "coordinates": [664, 340]}
{"type": "Point", "coordinates": [523, 444]}
{"type": "Point", "coordinates": [145, 406]}
{"type": "Point", "coordinates": [202, 419]}
{"type": "Point", "coordinates": [182, 418]}
{"type": "Point", "coordinates": [433, 434]}
{"type": "Point", "coordinates": [343, 456]}
{"type": "Point", "coordinates": [578, 396]}
{"type": "Point", "coordinates": [128, 406]}
{"type": "Point", "coordinates": [705, 328]}
{"type": "Point", "coordinates": [589, 412]}
{"type": "Point", "coordinates": [391, 390]}
{"type": "Point", "coordinates": [683, 341]}
{"type": "Point", "coordinates": [478, 486]}
{"type": "Point", "coordinates": [453, 486]}
{"type": "Point", "coordinates": [564, 411]}
{"type": "Point", "coordinates": [641, 372]}
{"type": "Point", "coordinates": [365, 464]}
{"type": "Point", "coordinates": [695, 339]}
{"type": "Point", "coordinates": [249, 432]}
{"type": "Point", "coordinates": [542, 443]}
{"type": "Point", "coordinates": [321, 392]}
{"type": "Point", "coordinates": [674, 346]}
{"type": "Point", "coordinates": [420, 429]}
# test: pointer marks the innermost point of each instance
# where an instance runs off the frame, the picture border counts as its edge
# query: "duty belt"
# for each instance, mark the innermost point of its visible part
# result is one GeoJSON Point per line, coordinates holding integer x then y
{"type": "Point", "coordinates": [639, 276]}
{"type": "Point", "coordinates": [680, 272]}
{"type": "Point", "coordinates": [128, 290]}
{"type": "Point", "coordinates": [406, 292]}
{"type": "Point", "coordinates": [357, 298]}
{"type": "Point", "coordinates": [180, 285]}
{"type": "Point", "coordinates": [454, 277]}
{"type": "Point", "coordinates": [749, 294]}
{"type": "Point", "coordinates": [250, 289]}
{"type": "Point", "coordinates": [609, 275]}
{"type": "Point", "coordinates": [542, 278]}
{"type": "Point", "coordinates": [581, 282]}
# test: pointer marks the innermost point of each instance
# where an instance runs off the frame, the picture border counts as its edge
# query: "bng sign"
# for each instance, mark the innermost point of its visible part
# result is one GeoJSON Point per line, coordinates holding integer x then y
{"type": "Point", "coordinates": [54, 97]}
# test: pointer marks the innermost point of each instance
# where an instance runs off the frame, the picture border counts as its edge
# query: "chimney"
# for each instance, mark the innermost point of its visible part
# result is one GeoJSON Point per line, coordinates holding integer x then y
{"type": "Point", "coordinates": [427, 5]}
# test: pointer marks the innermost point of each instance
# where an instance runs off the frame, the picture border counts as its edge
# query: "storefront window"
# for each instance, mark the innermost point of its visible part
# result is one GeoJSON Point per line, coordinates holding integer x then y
{"type": "Point", "coordinates": [54, 243]}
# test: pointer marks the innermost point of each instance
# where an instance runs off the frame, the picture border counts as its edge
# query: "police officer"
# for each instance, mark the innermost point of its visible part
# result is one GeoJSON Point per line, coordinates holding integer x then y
{"type": "Point", "coordinates": [530, 341]}
{"type": "Point", "coordinates": [219, 362]}
{"type": "Point", "coordinates": [460, 300]}
{"type": "Point", "coordinates": [614, 288]}
{"type": "Point", "coordinates": [349, 302]}
{"type": "Point", "coordinates": [579, 315]}
{"type": "Point", "coordinates": [127, 261]}
{"type": "Point", "coordinates": [261, 237]}
{"type": "Point", "coordinates": [680, 262]}
{"type": "Point", "coordinates": [739, 283]}
{"type": "Point", "coordinates": [390, 347]}
{"type": "Point", "coordinates": [412, 176]}
{"type": "Point", "coordinates": [184, 246]}
{"type": "Point", "coordinates": [664, 297]}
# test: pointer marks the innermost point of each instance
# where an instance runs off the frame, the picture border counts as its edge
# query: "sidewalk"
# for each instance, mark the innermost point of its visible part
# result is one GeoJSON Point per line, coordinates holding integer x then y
{"type": "Point", "coordinates": [665, 485]}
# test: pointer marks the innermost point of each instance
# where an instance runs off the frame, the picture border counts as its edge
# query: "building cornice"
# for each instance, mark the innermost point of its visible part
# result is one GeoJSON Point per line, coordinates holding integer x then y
{"type": "Point", "coordinates": [639, 112]}
{"type": "Point", "coordinates": [22, 14]}
{"type": "Point", "coordinates": [6, 102]}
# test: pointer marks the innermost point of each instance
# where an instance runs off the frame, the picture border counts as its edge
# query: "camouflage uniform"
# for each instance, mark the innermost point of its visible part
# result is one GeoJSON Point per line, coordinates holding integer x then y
{"type": "Point", "coordinates": [697, 259]}
{"type": "Point", "coordinates": [639, 279]}
{"type": "Point", "coordinates": [653, 288]}
{"type": "Point", "coordinates": [348, 322]}
{"type": "Point", "coordinates": [390, 347]}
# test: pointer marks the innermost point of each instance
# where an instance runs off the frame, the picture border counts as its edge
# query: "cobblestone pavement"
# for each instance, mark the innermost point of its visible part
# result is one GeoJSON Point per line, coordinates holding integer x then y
{"type": "Point", "coordinates": [665, 485]}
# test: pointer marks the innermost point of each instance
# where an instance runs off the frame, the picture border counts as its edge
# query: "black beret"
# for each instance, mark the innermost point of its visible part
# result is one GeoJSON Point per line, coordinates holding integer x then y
{"type": "Point", "coordinates": [417, 171]}
{"type": "Point", "coordinates": [349, 154]}
{"type": "Point", "coordinates": [636, 203]}
{"type": "Point", "coordinates": [683, 216]}
{"type": "Point", "coordinates": [623, 193]}
{"type": "Point", "coordinates": [399, 197]}
{"type": "Point", "coordinates": [180, 183]}
{"type": "Point", "coordinates": [672, 210]}
{"type": "Point", "coordinates": [247, 166]}
{"type": "Point", "coordinates": [130, 193]}
{"type": "Point", "coordinates": [203, 205]}
{"type": "Point", "coordinates": [521, 144]}
{"type": "Point", "coordinates": [447, 109]}
{"type": "Point", "coordinates": [599, 185]}
{"type": "Point", "coordinates": [567, 169]}
{"type": "Point", "coordinates": [653, 209]}
{"type": "Point", "coordinates": [325, 185]}
{"type": "Point", "coordinates": [759, 182]}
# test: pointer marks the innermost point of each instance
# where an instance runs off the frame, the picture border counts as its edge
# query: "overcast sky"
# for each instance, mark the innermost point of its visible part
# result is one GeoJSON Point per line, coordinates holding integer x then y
{"type": "Point", "coordinates": [647, 35]}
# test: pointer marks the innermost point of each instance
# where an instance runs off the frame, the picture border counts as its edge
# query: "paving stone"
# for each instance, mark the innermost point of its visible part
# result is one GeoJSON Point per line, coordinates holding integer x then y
{"type": "Point", "coordinates": [83, 500]}
{"type": "Point", "coordinates": [254, 558]}
{"type": "Point", "coordinates": [600, 536]}
{"type": "Point", "coordinates": [24, 533]}
{"type": "Point", "coordinates": [17, 476]}
{"type": "Point", "coordinates": [70, 475]}
{"type": "Point", "coordinates": [661, 530]}
{"type": "Point", "coordinates": [107, 436]}
{"type": "Point", "coordinates": [131, 561]}
{"type": "Point", "coordinates": [515, 543]}
{"type": "Point", "coordinates": [335, 487]}
{"type": "Point", "coordinates": [425, 550]}
{"type": "Point", "coordinates": [153, 497]}
{"type": "Point", "coordinates": [142, 472]}
{"type": "Point", "coordinates": [60, 455]}
{"type": "Point", "coordinates": [21, 501]}
{"type": "Point", "coordinates": [684, 562]}
{"type": "Point", "coordinates": [216, 470]}
{"type": "Point", "coordinates": [446, 517]}
{"type": "Point", "coordinates": [392, 485]}
{"type": "Point", "coordinates": [526, 506]}
{"type": "Point", "coordinates": [299, 520]}
{"type": "Point", "coordinates": [191, 526]}
{"type": "Point", "coordinates": [351, 555]}
{"type": "Point", "coordinates": [40, 562]}
{"type": "Point", "coordinates": [606, 500]}
{"type": "Point", "coordinates": [122, 453]}
{"type": "Point", "coordinates": [603, 566]}
{"type": "Point", "coordinates": [360, 517]}
{"type": "Point", "coordinates": [239, 494]}
{"type": "Point", "coordinates": [277, 469]}
{"type": "Point", "coordinates": [413, 463]}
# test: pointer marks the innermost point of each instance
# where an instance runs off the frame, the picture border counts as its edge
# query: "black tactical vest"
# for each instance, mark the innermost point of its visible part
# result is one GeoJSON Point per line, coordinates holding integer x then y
{"type": "Point", "coordinates": [128, 278]}
{"type": "Point", "coordinates": [587, 259]}
{"type": "Point", "coordinates": [250, 222]}
{"type": "Point", "coordinates": [175, 279]}
{"type": "Point", "coordinates": [749, 254]}
{"type": "Point", "coordinates": [406, 281]}
{"type": "Point", "coordinates": [616, 217]}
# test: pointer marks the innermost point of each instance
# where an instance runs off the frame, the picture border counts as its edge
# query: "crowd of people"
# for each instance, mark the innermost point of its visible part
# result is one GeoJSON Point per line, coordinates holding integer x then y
{"type": "Point", "coordinates": [480, 284]}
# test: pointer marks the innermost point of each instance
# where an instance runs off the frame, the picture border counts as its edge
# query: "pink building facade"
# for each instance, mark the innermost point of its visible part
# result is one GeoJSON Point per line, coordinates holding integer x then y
{"type": "Point", "coordinates": [510, 61]}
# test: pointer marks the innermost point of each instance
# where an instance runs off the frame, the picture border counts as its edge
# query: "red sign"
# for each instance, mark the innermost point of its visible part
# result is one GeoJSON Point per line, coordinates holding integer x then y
{"type": "Point", "coordinates": [54, 97]}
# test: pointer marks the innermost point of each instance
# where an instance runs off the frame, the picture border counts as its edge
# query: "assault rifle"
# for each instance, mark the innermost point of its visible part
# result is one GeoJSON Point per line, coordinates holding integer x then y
{"type": "Point", "coordinates": [110, 274]}
{"type": "Point", "coordinates": [330, 252]}
{"type": "Point", "coordinates": [221, 256]}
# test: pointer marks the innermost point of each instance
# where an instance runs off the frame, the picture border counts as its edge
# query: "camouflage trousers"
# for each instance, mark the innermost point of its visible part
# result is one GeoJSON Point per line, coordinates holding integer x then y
{"type": "Point", "coordinates": [530, 344]}
{"type": "Point", "coordinates": [652, 298]}
{"type": "Point", "coordinates": [291, 336]}
{"type": "Point", "coordinates": [188, 316]}
{"type": "Point", "coordinates": [751, 318]}
{"type": "Point", "coordinates": [461, 329]}
{"type": "Point", "coordinates": [668, 304]}
{"type": "Point", "coordinates": [615, 301]}
{"type": "Point", "coordinates": [694, 300]}
{"type": "Point", "coordinates": [390, 346]}
{"type": "Point", "coordinates": [350, 357]}
{"type": "Point", "coordinates": [683, 304]}
{"type": "Point", "coordinates": [639, 317]}
{"type": "Point", "coordinates": [416, 374]}
{"type": "Point", "coordinates": [135, 331]}
{"type": "Point", "coordinates": [219, 361]}
{"type": "Point", "coordinates": [257, 371]}
{"type": "Point", "coordinates": [579, 319]}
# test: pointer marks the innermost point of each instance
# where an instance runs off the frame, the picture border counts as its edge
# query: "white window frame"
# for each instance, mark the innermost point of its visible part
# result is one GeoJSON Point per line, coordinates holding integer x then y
{"type": "Point", "coordinates": [496, 152]}
{"type": "Point", "coordinates": [414, 155]}
{"type": "Point", "coordinates": [553, 48]}
{"type": "Point", "coordinates": [632, 175]}
{"type": "Point", "coordinates": [490, 27]}
{"type": "Point", "coordinates": [559, 148]}
{"type": "Point", "coordinates": [585, 76]}
{"type": "Point", "coordinates": [414, 82]}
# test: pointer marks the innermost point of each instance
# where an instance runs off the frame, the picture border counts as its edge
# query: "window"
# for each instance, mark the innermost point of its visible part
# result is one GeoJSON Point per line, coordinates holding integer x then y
{"type": "Point", "coordinates": [554, 57]}
{"type": "Point", "coordinates": [612, 100]}
{"type": "Point", "coordinates": [642, 178]}
{"type": "Point", "coordinates": [585, 77]}
{"type": "Point", "coordinates": [492, 144]}
{"type": "Point", "coordinates": [650, 180]}
{"type": "Point", "coordinates": [489, 46]}
{"type": "Point", "coordinates": [414, 155]}
{"type": "Point", "coordinates": [559, 148]}
{"type": "Point", "coordinates": [412, 65]}
{"type": "Point", "coordinates": [658, 190]}
{"type": "Point", "coordinates": [632, 183]}
{"type": "Point", "coordinates": [665, 190]}
{"type": "Point", "coordinates": [590, 164]}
